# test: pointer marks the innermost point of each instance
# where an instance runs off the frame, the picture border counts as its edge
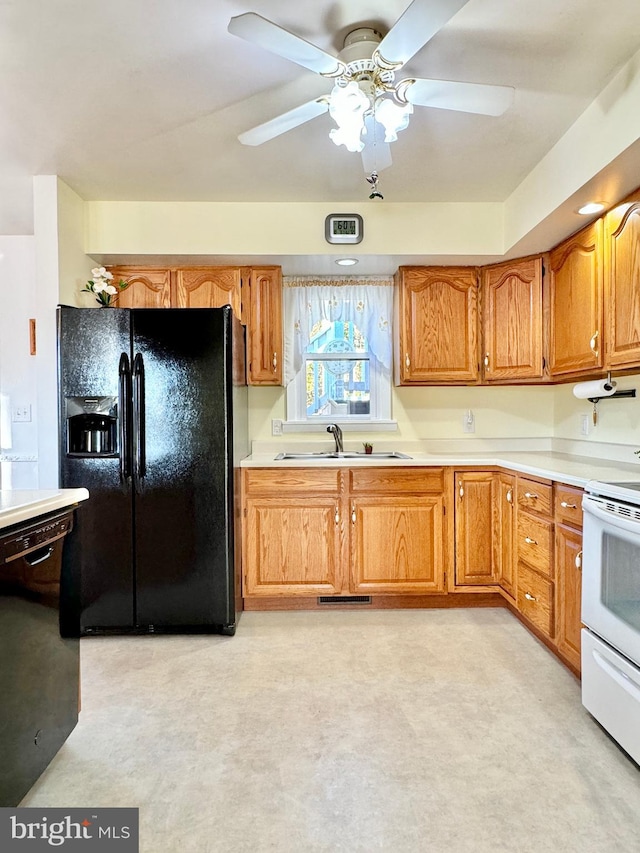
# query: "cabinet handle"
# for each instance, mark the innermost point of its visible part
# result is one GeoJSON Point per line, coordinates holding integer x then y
{"type": "Point", "coordinates": [275, 361]}
{"type": "Point", "coordinates": [531, 496]}
{"type": "Point", "coordinates": [407, 360]}
{"type": "Point", "coordinates": [568, 506]}
{"type": "Point", "coordinates": [579, 561]}
{"type": "Point", "coordinates": [593, 342]}
{"type": "Point", "coordinates": [353, 513]}
{"type": "Point", "coordinates": [486, 359]}
{"type": "Point", "coordinates": [530, 597]}
{"type": "Point", "coordinates": [510, 496]}
{"type": "Point", "coordinates": [460, 489]}
{"type": "Point", "coordinates": [337, 515]}
{"type": "Point", "coordinates": [530, 541]}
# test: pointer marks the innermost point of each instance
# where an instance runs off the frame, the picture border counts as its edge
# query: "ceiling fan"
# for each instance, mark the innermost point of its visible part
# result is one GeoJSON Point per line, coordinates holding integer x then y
{"type": "Point", "coordinates": [368, 105]}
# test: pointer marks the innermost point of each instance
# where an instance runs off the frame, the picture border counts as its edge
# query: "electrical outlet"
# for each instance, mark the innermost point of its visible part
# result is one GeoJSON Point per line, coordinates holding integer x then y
{"type": "Point", "coordinates": [276, 427]}
{"type": "Point", "coordinates": [21, 414]}
{"type": "Point", "coordinates": [584, 424]}
{"type": "Point", "coordinates": [468, 422]}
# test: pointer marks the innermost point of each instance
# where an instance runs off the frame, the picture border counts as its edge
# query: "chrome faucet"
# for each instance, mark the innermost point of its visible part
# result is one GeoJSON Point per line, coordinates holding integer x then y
{"type": "Point", "coordinates": [337, 434]}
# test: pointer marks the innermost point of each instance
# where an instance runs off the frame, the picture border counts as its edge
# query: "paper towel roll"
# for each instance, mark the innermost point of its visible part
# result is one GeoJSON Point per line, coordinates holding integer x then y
{"type": "Point", "coordinates": [597, 388]}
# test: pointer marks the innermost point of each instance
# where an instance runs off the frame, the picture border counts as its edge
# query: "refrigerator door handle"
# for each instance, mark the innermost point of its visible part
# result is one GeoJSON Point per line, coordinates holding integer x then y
{"type": "Point", "coordinates": [139, 456]}
{"type": "Point", "coordinates": [124, 408]}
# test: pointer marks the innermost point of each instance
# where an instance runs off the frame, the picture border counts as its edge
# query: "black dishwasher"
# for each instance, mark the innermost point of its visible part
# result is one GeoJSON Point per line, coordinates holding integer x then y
{"type": "Point", "coordinates": [39, 669]}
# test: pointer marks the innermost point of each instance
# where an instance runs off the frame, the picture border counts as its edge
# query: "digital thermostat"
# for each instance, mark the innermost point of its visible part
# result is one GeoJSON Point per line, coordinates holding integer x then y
{"type": "Point", "coordinates": [343, 228]}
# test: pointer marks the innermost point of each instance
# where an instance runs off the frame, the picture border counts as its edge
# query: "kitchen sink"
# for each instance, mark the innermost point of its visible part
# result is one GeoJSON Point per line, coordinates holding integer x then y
{"type": "Point", "coordinates": [344, 454]}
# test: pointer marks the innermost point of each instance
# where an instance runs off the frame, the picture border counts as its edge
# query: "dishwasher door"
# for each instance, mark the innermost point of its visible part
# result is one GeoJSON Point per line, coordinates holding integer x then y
{"type": "Point", "coordinates": [39, 670]}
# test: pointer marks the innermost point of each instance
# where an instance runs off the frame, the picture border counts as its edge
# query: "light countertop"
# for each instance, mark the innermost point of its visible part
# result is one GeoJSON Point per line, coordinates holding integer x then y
{"type": "Point", "coordinates": [18, 505]}
{"type": "Point", "coordinates": [566, 468]}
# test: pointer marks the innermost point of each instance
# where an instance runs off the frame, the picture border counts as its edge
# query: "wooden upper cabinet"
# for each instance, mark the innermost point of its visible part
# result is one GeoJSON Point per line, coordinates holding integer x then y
{"type": "Point", "coordinates": [575, 289]}
{"type": "Point", "coordinates": [209, 287]}
{"type": "Point", "coordinates": [622, 286]}
{"type": "Point", "coordinates": [147, 287]}
{"type": "Point", "coordinates": [512, 320]}
{"type": "Point", "coordinates": [264, 325]}
{"type": "Point", "coordinates": [437, 316]}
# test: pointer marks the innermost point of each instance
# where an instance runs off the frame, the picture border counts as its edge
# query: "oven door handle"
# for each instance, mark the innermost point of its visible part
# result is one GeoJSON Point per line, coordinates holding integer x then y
{"type": "Point", "coordinates": [592, 508]}
{"type": "Point", "coordinates": [618, 675]}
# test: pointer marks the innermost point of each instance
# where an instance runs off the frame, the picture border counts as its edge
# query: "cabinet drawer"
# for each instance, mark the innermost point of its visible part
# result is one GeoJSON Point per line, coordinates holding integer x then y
{"type": "Point", "coordinates": [568, 505]}
{"type": "Point", "coordinates": [534, 496]}
{"type": "Point", "coordinates": [535, 599]}
{"type": "Point", "coordinates": [277, 482]}
{"type": "Point", "coordinates": [375, 481]}
{"type": "Point", "coordinates": [535, 542]}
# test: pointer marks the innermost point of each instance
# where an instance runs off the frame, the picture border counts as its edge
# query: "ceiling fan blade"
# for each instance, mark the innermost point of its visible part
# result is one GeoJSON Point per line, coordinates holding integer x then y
{"type": "Point", "coordinates": [415, 27]}
{"type": "Point", "coordinates": [376, 154]}
{"type": "Point", "coordinates": [270, 36]}
{"type": "Point", "coordinates": [282, 123]}
{"type": "Point", "coordinates": [480, 98]}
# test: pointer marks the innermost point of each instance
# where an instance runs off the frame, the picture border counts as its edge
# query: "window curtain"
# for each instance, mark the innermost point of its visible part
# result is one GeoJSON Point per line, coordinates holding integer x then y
{"type": "Point", "coordinates": [366, 302]}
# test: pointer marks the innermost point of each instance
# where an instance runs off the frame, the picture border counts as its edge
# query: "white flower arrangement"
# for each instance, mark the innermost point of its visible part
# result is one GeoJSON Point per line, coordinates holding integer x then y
{"type": "Point", "coordinates": [100, 283]}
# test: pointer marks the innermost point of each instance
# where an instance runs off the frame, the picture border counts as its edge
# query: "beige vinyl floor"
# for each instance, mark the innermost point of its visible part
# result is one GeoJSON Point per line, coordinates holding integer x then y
{"type": "Point", "coordinates": [402, 731]}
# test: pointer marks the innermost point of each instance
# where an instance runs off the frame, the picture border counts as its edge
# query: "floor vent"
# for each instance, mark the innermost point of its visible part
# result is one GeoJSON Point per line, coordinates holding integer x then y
{"type": "Point", "coordinates": [344, 599]}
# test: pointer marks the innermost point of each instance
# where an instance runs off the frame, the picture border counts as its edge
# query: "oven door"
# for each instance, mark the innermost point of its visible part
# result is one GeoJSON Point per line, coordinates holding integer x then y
{"type": "Point", "coordinates": [611, 573]}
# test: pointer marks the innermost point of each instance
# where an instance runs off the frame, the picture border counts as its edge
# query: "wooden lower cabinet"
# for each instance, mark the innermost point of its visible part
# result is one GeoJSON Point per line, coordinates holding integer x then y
{"type": "Point", "coordinates": [397, 544]}
{"type": "Point", "coordinates": [476, 522]}
{"type": "Point", "coordinates": [342, 531]}
{"type": "Point", "coordinates": [536, 599]}
{"type": "Point", "coordinates": [568, 569]}
{"type": "Point", "coordinates": [506, 534]}
{"type": "Point", "coordinates": [294, 546]}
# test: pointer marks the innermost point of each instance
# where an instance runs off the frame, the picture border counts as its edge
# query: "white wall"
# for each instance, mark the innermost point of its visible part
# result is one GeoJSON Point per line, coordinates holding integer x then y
{"type": "Point", "coordinates": [18, 441]}
{"type": "Point", "coordinates": [433, 413]}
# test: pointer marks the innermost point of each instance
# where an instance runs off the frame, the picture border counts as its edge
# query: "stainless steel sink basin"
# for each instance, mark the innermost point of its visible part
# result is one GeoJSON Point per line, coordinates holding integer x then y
{"type": "Point", "coordinates": [345, 454]}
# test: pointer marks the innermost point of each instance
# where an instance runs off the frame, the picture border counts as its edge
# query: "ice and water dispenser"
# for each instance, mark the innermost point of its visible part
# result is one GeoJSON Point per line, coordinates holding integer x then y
{"type": "Point", "coordinates": [92, 426]}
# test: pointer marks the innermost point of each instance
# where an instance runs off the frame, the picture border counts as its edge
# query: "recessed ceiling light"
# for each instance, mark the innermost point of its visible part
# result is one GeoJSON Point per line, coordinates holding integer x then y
{"type": "Point", "coordinates": [347, 262]}
{"type": "Point", "coordinates": [591, 207]}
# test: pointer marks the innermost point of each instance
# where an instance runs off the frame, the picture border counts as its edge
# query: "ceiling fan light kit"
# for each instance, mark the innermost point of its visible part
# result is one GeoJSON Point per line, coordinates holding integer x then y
{"type": "Point", "coordinates": [365, 93]}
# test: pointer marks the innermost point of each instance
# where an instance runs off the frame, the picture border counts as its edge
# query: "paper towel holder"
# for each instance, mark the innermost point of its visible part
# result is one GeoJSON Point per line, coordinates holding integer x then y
{"type": "Point", "coordinates": [629, 392]}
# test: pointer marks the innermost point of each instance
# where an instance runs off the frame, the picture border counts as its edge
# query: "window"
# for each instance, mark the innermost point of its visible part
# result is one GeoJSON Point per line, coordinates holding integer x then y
{"type": "Point", "coordinates": [338, 350]}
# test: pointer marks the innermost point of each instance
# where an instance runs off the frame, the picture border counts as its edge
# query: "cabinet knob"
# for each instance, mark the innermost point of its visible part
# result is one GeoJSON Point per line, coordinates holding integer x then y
{"type": "Point", "coordinates": [530, 541]}
{"type": "Point", "coordinates": [530, 597]}
{"type": "Point", "coordinates": [531, 496]}
{"type": "Point", "coordinates": [407, 360]}
{"type": "Point", "coordinates": [275, 361]}
{"type": "Point", "coordinates": [337, 515]}
{"type": "Point", "coordinates": [510, 496]}
{"type": "Point", "coordinates": [568, 506]}
{"type": "Point", "coordinates": [593, 343]}
{"type": "Point", "coordinates": [579, 561]}
{"type": "Point", "coordinates": [460, 489]}
{"type": "Point", "coordinates": [353, 513]}
{"type": "Point", "coordinates": [486, 359]}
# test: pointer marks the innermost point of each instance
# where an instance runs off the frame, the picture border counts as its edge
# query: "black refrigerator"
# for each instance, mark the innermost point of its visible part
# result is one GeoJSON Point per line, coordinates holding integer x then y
{"type": "Point", "coordinates": [153, 422]}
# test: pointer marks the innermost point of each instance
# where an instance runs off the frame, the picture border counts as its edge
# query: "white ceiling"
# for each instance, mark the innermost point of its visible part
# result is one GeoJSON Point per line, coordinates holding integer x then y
{"type": "Point", "coordinates": [144, 100]}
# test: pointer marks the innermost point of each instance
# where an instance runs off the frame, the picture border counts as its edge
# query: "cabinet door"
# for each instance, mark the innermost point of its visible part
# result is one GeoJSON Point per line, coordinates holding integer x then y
{"type": "Point", "coordinates": [622, 286]}
{"type": "Point", "coordinates": [264, 327]}
{"type": "Point", "coordinates": [437, 319]}
{"type": "Point", "coordinates": [146, 287]}
{"type": "Point", "coordinates": [209, 287]}
{"type": "Point", "coordinates": [293, 546]}
{"type": "Point", "coordinates": [397, 544]}
{"type": "Point", "coordinates": [506, 538]}
{"type": "Point", "coordinates": [475, 528]}
{"type": "Point", "coordinates": [512, 320]}
{"type": "Point", "coordinates": [568, 592]}
{"type": "Point", "coordinates": [575, 286]}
